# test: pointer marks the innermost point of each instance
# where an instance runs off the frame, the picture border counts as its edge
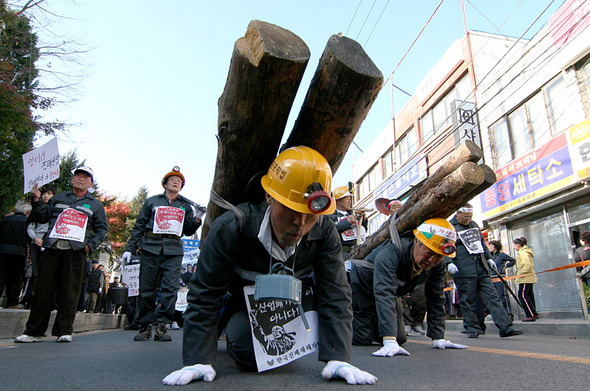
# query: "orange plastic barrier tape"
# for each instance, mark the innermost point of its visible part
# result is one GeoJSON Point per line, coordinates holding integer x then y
{"type": "Point", "coordinates": [569, 266]}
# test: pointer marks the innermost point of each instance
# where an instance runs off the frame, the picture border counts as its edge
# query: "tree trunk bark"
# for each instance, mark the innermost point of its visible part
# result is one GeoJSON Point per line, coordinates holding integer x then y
{"type": "Point", "coordinates": [342, 91]}
{"type": "Point", "coordinates": [266, 69]}
{"type": "Point", "coordinates": [439, 201]}
{"type": "Point", "coordinates": [468, 151]}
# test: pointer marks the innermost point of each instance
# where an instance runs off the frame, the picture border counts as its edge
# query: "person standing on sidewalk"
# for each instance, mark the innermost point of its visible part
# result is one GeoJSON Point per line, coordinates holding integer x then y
{"type": "Point", "coordinates": [162, 221]}
{"type": "Point", "coordinates": [470, 270]}
{"type": "Point", "coordinates": [77, 226]}
{"type": "Point", "coordinates": [525, 267]}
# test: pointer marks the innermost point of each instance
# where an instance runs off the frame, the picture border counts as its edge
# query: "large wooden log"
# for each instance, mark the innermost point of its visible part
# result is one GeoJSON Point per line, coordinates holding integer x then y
{"type": "Point", "coordinates": [341, 93]}
{"type": "Point", "coordinates": [266, 69]}
{"type": "Point", "coordinates": [439, 201]}
{"type": "Point", "coordinates": [468, 151]}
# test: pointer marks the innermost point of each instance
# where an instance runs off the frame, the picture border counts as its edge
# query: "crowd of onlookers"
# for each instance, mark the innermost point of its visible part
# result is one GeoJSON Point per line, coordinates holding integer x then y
{"type": "Point", "coordinates": [21, 246]}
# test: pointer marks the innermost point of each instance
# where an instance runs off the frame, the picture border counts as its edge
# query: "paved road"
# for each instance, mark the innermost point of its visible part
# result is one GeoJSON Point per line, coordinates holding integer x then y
{"type": "Point", "coordinates": [111, 359]}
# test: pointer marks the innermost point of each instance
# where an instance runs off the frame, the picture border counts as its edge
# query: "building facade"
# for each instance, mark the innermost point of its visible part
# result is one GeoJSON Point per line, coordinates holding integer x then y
{"type": "Point", "coordinates": [534, 112]}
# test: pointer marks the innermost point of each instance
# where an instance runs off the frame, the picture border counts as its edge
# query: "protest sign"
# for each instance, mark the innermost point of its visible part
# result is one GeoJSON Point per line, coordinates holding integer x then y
{"type": "Point", "coordinates": [41, 165]}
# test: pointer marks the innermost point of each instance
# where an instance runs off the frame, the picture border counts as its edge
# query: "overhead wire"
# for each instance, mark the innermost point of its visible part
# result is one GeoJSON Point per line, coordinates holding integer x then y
{"type": "Point", "coordinates": [438, 134]}
{"type": "Point", "coordinates": [368, 14]}
{"type": "Point", "coordinates": [353, 16]}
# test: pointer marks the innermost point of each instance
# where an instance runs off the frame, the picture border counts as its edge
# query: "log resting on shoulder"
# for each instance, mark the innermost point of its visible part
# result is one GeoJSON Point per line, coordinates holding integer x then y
{"type": "Point", "coordinates": [266, 69]}
{"type": "Point", "coordinates": [442, 200]}
{"type": "Point", "coordinates": [341, 93]}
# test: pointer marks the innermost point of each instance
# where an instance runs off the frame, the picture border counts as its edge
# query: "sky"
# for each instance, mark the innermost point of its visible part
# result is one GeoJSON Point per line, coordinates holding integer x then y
{"type": "Point", "coordinates": [156, 69]}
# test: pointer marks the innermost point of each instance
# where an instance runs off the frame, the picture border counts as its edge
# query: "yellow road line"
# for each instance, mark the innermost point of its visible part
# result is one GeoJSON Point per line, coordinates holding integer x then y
{"type": "Point", "coordinates": [578, 360]}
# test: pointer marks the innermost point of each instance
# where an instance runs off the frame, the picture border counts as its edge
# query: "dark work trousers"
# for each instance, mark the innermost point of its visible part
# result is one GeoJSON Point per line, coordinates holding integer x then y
{"type": "Point", "coordinates": [239, 341]}
{"type": "Point", "coordinates": [499, 285]}
{"type": "Point", "coordinates": [365, 324]}
{"type": "Point", "coordinates": [415, 307]}
{"type": "Point", "coordinates": [35, 252]}
{"type": "Point", "coordinates": [61, 271]}
{"type": "Point", "coordinates": [526, 296]}
{"type": "Point", "coordinates": [166, 270]}
{"type": "Point", "coordinates": [12, 270]}
{"type": "Point", "coordinates": [469, 288]}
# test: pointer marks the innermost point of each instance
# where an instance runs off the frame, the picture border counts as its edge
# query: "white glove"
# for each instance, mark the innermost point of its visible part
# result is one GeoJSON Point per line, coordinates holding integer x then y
{"type": "Point", "coordinates": [452, 268]}
{"type": "Point", "coordinates": [352, 375]}
{"type": "Point", "coordinates": [126, 257]}
{"type": "Point", "coordinates": [188, 374]}
{"type": "Point", "coordinates": [390, 348]}
{"type": "Point", "coordinates": [444, 344]}
{"type": "Point", "coordinates": [492, 264]}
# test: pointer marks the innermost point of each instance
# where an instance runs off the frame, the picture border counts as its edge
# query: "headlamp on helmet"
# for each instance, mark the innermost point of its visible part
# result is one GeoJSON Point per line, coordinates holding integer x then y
{"type": "Point", "coordinates": [174, 172]}
{"type": "Point", "coordinates": [318, 200]}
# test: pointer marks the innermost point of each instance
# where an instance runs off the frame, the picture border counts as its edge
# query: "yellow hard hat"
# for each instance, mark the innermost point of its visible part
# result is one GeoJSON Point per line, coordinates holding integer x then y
{"type": "Point", "coordinates": [341, 192]}
{"type": "Point", "coordinates": [438, 235]}
{"type": "Point", "coordinates": [300, 178]}
{"type": "Point", "coordinates": [175, 171]}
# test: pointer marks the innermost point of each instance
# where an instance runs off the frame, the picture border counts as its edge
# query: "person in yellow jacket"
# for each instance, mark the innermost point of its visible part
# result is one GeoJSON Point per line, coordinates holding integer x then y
{"type": "Point", "coordinates": [525, 265]}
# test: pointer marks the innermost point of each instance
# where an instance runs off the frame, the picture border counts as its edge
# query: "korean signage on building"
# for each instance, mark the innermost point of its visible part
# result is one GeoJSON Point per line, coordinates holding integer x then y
{"type": "Point", "coordinates": [580, 151]}
{"type": "Point", "coordinates": [537, 174]}
{"type": "Point", "coordinates": [410, 175]}
{"type": "Point", "coordinates": [465, 122]}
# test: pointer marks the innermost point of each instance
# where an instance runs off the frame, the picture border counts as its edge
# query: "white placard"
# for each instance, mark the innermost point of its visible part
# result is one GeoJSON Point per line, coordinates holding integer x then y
{"type": "Point", "coordinates": [278, 332]}
{"type": "Point", "coordinates": [168, 220]}
{"type": "Point", "coordinates": [41, 165]}
{"type": "Point", "coordinates": [70, 225]}
{"type": "Point", "coordinates": [181, 299]}
{"type": "Point", "coordinates": [472, 240]}
{"type": "Point", "coordinates": [130, 278]}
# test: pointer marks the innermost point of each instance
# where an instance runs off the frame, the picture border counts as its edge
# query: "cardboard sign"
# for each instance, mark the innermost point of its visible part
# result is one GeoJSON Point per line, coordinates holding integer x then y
{"type": "Point", "coordinates": [130, 278]}
{"type": "Point", "coordinates": [70, 225]}
{"type": "Point", "coordinates": [278, 332]}
{"type": "Point", "coordinates": [471, 240]}
{"type": "Point", "coordinates": [181, 299]}
{"type": "Point", "coordinates": [168, 220]}
{"type": "Point", "coordinates": [41, 165]}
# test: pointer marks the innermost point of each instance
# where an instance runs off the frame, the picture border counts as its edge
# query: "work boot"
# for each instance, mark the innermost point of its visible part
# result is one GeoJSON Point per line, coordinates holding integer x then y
{"type": "Point", "coordinates": [161, 333]}
{"type": "Point", "coordinates": [511, 333]}
{"type": "Point", "coordinates": [144, 334]}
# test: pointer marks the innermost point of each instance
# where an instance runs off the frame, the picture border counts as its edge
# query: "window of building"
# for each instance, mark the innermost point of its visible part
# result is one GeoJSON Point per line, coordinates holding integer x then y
{"type": "Point", "coordinates": [532, 124]}
{"type": "Point", "coordinates": [583, 76]}
{"type": "Point", "coordinates": [406, 147]}
{"type": "Point", "coordinates": [388, 164]}
{"type": "Point", "coordinates": [558, 106]}
{"type": "Point", "coordinates": [427, 126]}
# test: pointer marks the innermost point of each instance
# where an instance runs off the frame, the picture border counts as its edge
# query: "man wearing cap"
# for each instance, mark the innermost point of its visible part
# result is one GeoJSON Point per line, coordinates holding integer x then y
{"type": "Point", "coordinates": [390, 272]}
{"type": "Point", "coordinates": [388, 207]}
{"type": "Point", "coordinates": [347, 224]}
{"type": "Point", "coordinates": [160, 225]}
{"type": "Point", "coordinates": [289, 230]}
{"type": "Point", "coordinates": [77, 226]}
{"type": "Point", "coordinates": [470, 270]}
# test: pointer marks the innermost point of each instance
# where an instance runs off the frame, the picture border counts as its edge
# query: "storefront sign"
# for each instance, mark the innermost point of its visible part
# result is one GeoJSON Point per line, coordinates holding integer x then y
{"type": "Point", "coordinates": [580, 150]}
{"type": "Point", "coordinates": [410, 175]}
{"type": "Point", "coordinates": [535, 175]}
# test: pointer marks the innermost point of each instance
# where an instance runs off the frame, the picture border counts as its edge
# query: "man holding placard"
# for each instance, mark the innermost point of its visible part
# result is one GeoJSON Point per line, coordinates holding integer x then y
{"type": "Point", "coordinates": [77, 226]}
{"type": "Point", "coordinates": [162, 221]}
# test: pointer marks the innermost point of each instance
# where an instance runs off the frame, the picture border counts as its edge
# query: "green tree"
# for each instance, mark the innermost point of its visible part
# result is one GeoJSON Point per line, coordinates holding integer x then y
{"type": "Point", "coordinates": [18, 77]}
{"type": "Point", "coordinates": [135, 207]}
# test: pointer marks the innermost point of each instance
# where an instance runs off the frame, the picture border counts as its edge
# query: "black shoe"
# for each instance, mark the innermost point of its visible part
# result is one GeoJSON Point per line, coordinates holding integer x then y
{"type": "Point", "coordinates": [472, 335]}
{"type": "Point", "coordinates": [161, 334]}
{"type": "Point", "coordinates": [483, 332]}
{"type": "Point", "coordinates": [511, 333]}
{"type": "Point", "coordinates": [529, 319]}
{"type": "Point", "coordinates": [144, 334]}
